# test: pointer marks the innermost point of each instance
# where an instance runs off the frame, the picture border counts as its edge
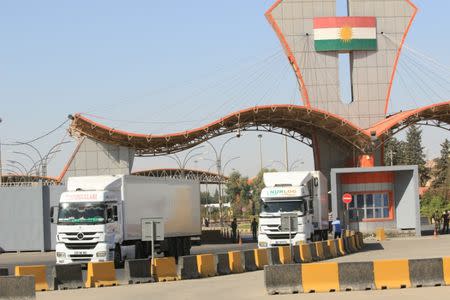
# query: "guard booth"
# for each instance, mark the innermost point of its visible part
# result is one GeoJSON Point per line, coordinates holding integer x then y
{"type": "Point", "coordinates": [386, 197]}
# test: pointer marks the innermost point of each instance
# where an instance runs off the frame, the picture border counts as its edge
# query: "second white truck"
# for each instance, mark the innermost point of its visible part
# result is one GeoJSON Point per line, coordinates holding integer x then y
{"type": "Point", "coordinates": [302, 194]}
{"type": "Point", "coordinates": [99, 217]}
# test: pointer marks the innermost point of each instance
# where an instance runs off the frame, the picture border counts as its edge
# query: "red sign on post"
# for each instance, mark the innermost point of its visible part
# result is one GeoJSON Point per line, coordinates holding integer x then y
{"type": "Point", "coordinates": [347, 198]}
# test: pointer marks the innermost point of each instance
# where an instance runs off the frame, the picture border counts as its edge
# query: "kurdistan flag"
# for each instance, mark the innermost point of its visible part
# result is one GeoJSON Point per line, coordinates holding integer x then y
{"type": "Point", "coordinates": [345, 33]}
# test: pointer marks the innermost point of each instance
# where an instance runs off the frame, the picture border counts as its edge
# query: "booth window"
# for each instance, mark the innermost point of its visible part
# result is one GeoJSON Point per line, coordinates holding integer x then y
{"type": "Point", "coordinates": [370, 206]}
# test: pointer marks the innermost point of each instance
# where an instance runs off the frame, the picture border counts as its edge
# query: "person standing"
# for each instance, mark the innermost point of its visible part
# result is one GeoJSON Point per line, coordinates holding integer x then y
{"type": "Point", "coordinates": [445, 218]}
{"type": "Point", "coordinates": [337, 228]}
{"type": "Point", "coordinates": [234, 230]}
{"type": "Point", "coordinates": [254, 226]}
{"type": "Point", "coordinates": [437, 221]}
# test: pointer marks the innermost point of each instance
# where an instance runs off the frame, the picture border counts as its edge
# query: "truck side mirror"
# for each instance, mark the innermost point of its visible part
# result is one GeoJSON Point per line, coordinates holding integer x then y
{"type": "Point", "coordinates": [109, 215]}
{"type": "Point", "coordinates": [115, 216]}
{"type": "Point", "coordinates": [53, 214]}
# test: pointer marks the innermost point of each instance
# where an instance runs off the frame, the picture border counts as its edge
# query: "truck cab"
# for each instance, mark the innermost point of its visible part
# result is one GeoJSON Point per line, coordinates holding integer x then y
{"type": "Point", "coordinates": [87, 226]}
{"type": "Point", "coordinates": [299, 194]}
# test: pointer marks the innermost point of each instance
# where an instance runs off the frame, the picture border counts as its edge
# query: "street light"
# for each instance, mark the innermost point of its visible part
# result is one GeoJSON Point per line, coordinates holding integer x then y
{"type": "Point", "coordinates": [226, 164]}
{"type": "Point", "coordinates": [1, 171]}
{"type": "Point", "coordinates": [219, 170]}
{"type": "Point", "coordinates": [25, 154]}
{"type": "Point", "coordinates": [260, 152]}
{"type": "Point", "coordinates": [182, 163]}
{"type": "Point", "coordinates": [288, 168]}
{"type": "Point", "coordinates": [14, 162]}
{"type": "Point", "coordinates": [16, 167]}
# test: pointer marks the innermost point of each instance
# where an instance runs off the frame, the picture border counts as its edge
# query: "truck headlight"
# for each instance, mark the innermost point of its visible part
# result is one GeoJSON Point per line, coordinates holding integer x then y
{"type": "Point", "coordinates": [101, 254]}
{"type": "Point", "coordinates": [262, 244]}
{"type": "Point", "coordinates": [60, 254]}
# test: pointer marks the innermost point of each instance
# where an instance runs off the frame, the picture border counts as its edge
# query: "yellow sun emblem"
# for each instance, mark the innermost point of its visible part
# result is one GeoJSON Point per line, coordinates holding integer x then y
{"type": "Point", "coordinates": [346, 34]}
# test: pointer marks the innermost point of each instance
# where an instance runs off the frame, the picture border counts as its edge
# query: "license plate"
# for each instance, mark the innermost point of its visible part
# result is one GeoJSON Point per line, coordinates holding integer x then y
{"type": "Point", "coordinates": [280, 242]}
{"type": "Point", "coordinates": [80, 252]}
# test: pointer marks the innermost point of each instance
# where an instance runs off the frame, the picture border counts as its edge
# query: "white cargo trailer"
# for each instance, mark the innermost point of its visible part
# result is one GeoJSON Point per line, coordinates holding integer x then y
{"type": "Point", "coordinates": [99, 217]}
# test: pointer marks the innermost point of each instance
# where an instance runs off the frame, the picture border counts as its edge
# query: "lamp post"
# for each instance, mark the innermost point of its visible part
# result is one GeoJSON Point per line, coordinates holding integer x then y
{"type": "Point", "coordinates": [286, 153]}
{"type": "Point", "coordinates": [35, 149]}
{"type": "Point", "coordinates": [260, 152]}
{"type": "Point", "coordinates": [27, 155]}
{"type": "Point", "coordinates": [219, 171]}
{"type": "Point", "coordinates": [1, 171]}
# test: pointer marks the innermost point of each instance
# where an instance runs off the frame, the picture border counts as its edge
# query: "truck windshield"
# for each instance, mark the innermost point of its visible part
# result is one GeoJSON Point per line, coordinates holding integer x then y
{"type": "Point", "coordinates": [282, 205]}
{"type": "Point", "coordinates": [81, 213]}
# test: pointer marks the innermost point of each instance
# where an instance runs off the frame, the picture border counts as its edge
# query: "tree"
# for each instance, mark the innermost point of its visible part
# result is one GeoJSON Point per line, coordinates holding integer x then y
{"type": "Point", "coordinates": [393, 152]}
{"type": "Point", "coordinates": [413, 153]}
{"type": "Point", "coordinates": [257, 184]}
{"type": "Point", "coordinates": [431, 202]}
{"type": "Point", "coordinates": [238, 192]}
{"type": "Point", "coordinates": [442, 166]}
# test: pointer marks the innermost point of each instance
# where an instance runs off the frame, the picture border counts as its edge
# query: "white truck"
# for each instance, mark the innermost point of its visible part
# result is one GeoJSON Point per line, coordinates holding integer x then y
{"type": "Point", "coordinates": [99, 217]}
{"type": "Point", "coordinates": [300, 194]}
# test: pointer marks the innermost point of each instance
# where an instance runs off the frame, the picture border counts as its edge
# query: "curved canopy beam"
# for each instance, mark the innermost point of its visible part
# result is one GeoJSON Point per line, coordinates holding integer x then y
{"type": "Point", "coordinates": [292, 119]}
{"type": "Point", "coordinates": [298, 122]}
{"type": "Point", "coordinates": [200, 175]}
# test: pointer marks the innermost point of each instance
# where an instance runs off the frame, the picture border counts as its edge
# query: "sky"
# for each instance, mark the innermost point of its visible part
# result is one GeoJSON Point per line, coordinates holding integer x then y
{"type": "Point", "coordinates": [165, 66]}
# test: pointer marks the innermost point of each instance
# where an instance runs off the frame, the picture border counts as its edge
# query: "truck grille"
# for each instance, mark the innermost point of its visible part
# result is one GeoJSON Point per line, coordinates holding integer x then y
{"type": "Point", "coordinates": [80, 245]}
{"type": "Point", "coordinates": [282, 236]}
{"type": "Point", "coordinates": [84, 256]}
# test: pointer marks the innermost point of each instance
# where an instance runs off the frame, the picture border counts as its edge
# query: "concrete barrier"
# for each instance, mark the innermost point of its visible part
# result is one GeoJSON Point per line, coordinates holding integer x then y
{"type": "Point", "coordinates": [4, 272]}
{"type": "Point", "coordinates": [319, 250]}
{"type": "Point", "coordinates": [100, 274]}
{"type": "Point", "coordinates": [296, 257]}
{"type": "Point", "coordinates": [320, 277]}
{"type": "Point", "coordinates": [390, 274]}
{"type": "Point", "coordinates": [426, 272]}
{"type": "Point", "coordinates": [187, 267]}
{"type": "Point", "coordinates": [138, 271]}
{"type": "Point", "coordinates": [305, 253]}
{"type": "Point", "coordinates": [352, 241]}
{"type": "Point", "coordinates": [326, 250]}
{"type": "Point", "coordinates": [206, 265]}
{"type": "Point", "coordinates": [39, 273]}
{"type": "Point", "coordinates": [261, 258]}
{"type": "Point", "coordinates": [341, 246]}
{"type": "Point", "coordinates": [347, 246]}
{"type": "Point", "coordinates": [358, 241]}
{"type": "Point", "coordinates": [236, 261]}
{"type": "Point", "coordinates": [380, 235]}
{"type": "Point", "coordinates": [313, 251]}
{"type": "Point", "coordinates": [17, 287]}
{"type": "Point", "coordinates": [356, 276]}
{"type": "Point", "coordinates": [446, 267]}
{"type": "Point", "coordinates": [361, 239]}
{"type": "Point", "coordinates": [67, 277]}
{"type": "Point", "coordinates": [283, 279]}
{"type": "Point", "coordinates": [165, 269]}
{"type": "Point", "coordinates": [222, 264]}
{"type": "Point", "coordinates": [274, 256]}
{"type": "Point", "coordinates": [249, 261]}
{"type": "Point", "coordinates": [284, 252]}
{"type": "Point", "coordinates": [332, 248]}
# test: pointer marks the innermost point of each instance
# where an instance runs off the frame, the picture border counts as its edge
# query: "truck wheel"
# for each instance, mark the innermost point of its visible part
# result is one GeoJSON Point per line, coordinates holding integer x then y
{"type": "Point", "coordinates": [117, 256]}
{"type": "Point", "coordinates": [138, 250]}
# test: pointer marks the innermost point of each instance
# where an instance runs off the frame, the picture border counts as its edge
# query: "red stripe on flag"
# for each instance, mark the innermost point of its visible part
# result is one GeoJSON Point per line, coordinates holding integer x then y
{"type": "Point", "coordinates": [332, 22]}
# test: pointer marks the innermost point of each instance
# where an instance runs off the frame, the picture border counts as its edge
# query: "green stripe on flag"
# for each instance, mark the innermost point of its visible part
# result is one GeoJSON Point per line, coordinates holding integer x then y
{"type": "Point", "coordinates": [340, 45]}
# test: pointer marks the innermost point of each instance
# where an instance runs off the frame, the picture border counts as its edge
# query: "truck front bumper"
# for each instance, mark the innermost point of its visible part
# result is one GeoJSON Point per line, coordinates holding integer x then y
{"type": "Point", "coordinates": [65, 255]}
{"type": "Point", "coordinates": [265, 242]}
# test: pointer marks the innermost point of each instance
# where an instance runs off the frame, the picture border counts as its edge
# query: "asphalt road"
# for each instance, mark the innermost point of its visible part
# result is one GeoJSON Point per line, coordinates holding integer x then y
{"type": "Point", "coordinates": [10, 260]}
{"type": "Point", "coordinates": [251, 285]}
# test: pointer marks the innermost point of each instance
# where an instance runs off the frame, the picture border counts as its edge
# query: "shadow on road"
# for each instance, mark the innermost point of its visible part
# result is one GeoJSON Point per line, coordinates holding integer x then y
{"type": "Point", "coordinates": [371, 247]}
